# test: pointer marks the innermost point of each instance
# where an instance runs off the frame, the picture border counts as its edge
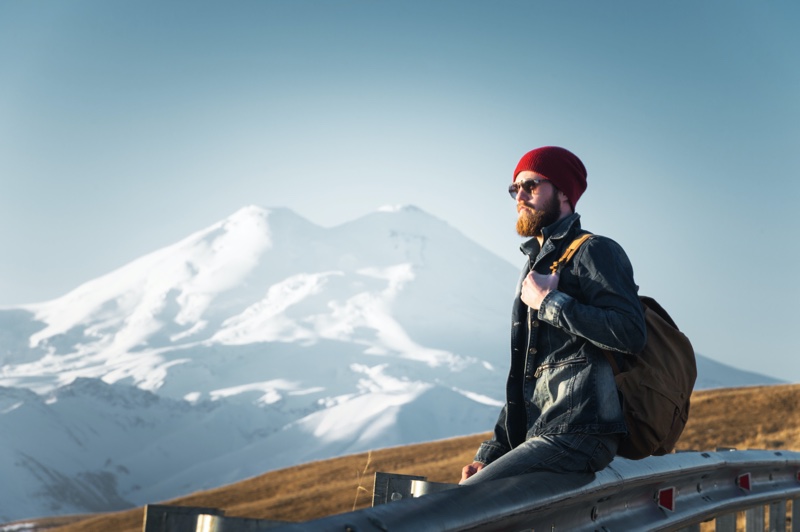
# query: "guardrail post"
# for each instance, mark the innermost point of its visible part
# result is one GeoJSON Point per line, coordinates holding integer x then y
{"type": "Point", "coordinates": [754, 519]}
{"type": "Point", "coordinates": [726, 523]}
{"type": "Point", "coordinates": [796, 514]}
{"type": "Point", "coordinates": [166, 518]}
{"type": "Point", "coordinates": [391, 487]}
{"type": "Point", "coordinates": [777, 516]}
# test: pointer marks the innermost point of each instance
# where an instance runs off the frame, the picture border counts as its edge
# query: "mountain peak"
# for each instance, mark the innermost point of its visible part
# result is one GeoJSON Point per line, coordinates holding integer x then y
{"type": "Point", "coordinates": [250, 210]}
{"type": "Point", "coordinates": [400, 208]}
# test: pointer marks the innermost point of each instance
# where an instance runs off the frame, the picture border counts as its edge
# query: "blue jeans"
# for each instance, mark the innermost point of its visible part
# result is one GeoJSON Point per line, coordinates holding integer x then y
{"type": "Point", "coordinates": [557, 453]}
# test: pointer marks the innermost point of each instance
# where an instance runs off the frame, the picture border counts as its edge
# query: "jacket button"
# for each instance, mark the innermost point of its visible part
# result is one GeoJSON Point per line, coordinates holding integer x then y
{"type": "Point", "coordinates": [532, 350]}
{"type": "Point", "coordinates": [528, 377]}
{"type": "Point", "coordinates": [535, 323]}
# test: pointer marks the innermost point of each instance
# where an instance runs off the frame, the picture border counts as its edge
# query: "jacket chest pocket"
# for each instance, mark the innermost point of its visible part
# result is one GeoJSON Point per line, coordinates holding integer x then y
{"type": "Point", "coordinates": [559, 365]}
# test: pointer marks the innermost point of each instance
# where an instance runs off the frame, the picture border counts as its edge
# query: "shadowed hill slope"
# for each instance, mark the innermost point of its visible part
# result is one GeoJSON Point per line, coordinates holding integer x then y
{"type": "Point", "coordinates": [745, 418]}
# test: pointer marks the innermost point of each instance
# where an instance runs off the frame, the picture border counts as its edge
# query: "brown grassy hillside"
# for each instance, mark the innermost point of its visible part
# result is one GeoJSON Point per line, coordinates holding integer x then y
{"type": "Point", "coordinates": [745, 418]}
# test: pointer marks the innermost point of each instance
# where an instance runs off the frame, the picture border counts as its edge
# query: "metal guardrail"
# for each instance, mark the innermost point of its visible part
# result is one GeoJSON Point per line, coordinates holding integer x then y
{"type": "Point", "coordinates": [667, 493]}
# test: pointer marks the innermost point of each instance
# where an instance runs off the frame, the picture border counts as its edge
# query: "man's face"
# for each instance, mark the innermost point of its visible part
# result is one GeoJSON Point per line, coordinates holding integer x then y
{"type": "Point", "coordinates": [537, 209]}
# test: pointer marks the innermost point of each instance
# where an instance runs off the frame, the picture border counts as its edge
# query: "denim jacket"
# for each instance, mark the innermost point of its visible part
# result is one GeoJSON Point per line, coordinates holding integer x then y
{"type": "Point", "coordinates": [560, 381]}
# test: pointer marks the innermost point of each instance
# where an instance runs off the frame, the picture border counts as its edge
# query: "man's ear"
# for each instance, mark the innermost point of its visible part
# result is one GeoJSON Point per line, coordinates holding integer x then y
{"type": "Point", "coordinates": [565, 204]}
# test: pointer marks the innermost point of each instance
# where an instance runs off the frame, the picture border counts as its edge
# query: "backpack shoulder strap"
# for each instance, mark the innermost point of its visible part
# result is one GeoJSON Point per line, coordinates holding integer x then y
{"type": "Point", "coordinates": [561, 262]}
{"type": "Point", "coordinates": [570, 251]}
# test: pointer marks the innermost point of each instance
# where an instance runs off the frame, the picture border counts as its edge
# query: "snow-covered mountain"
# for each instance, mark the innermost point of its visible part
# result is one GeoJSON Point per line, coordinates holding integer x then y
{"type": "Point", "coordinates": [400, 285]}
{"type": "Point", "coordinates": [260, 342]}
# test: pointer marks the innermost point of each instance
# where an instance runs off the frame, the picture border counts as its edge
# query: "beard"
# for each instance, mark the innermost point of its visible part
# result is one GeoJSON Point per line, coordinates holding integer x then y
{"type": "Point", "coordinates": [531, 222]}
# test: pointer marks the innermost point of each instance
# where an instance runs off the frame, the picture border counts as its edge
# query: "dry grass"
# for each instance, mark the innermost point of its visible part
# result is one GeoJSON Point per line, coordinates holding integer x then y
{"type": "Point", "coordinates": [756, 418]}
{"type": "Point", "coordinates": [762, 417]}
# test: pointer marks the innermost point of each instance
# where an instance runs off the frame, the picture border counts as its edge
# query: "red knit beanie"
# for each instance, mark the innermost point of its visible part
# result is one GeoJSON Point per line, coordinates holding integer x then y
{"type": "Point", "coordinates": [560, 166]}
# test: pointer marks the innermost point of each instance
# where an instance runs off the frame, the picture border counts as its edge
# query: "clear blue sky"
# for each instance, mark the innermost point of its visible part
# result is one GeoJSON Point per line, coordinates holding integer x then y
{"type": "Point", "coordinates": [127, 125]}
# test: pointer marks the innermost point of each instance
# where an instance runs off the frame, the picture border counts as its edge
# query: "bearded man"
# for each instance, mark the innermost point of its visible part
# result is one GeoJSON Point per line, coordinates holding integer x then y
{"type": "Point", "coordinates": [562, 412]}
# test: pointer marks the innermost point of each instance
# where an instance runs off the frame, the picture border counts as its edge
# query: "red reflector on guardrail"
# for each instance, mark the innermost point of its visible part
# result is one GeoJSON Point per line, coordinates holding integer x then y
{"type": "Point", "coordinates": [666, 499]}
{"type": "Point", "coordinates": [743, 481]}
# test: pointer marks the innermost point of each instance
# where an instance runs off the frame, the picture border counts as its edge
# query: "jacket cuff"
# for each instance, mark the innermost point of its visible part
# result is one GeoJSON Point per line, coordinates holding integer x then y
{"type": "Point", "coordinates": [552, 304]}
{"type": "Point", "coordinates": [488, 452]}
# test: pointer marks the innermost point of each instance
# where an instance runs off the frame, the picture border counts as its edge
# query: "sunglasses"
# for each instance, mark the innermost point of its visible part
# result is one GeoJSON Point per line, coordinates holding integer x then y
{"type": "Point", "coordinates": [529, 186]}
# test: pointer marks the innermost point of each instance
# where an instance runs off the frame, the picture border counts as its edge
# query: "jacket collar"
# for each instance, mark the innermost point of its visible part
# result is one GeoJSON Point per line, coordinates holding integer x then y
{"type": "Point", "coordinates": [556, 231]}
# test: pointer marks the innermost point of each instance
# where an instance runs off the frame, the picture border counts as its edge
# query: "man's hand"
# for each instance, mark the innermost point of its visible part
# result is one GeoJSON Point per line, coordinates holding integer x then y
{"type": "Point", "coordinates": [536, 286]}
{"type": "Point", "coordinates": [470, 470]}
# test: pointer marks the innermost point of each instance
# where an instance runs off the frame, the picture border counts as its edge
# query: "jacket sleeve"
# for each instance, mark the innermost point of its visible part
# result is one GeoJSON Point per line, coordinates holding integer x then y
{"type": "Point", "coordinates": [610, 315]}
{"type": "Point", "coordinates": [491, 450]}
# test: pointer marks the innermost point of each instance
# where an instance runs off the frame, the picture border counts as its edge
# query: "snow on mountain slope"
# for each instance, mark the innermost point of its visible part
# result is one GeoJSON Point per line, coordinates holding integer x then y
{"type": "Point", "coordinates": [390, 282]}
{"type": "Point", "coordinates": [89, 446]}
{"type": "Point", "coordinates": [130, 300]}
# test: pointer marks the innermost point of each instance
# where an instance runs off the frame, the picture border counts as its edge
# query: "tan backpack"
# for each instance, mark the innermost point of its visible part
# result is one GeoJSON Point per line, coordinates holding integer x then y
{"type": "Point", "coordinates": [656, 383]}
